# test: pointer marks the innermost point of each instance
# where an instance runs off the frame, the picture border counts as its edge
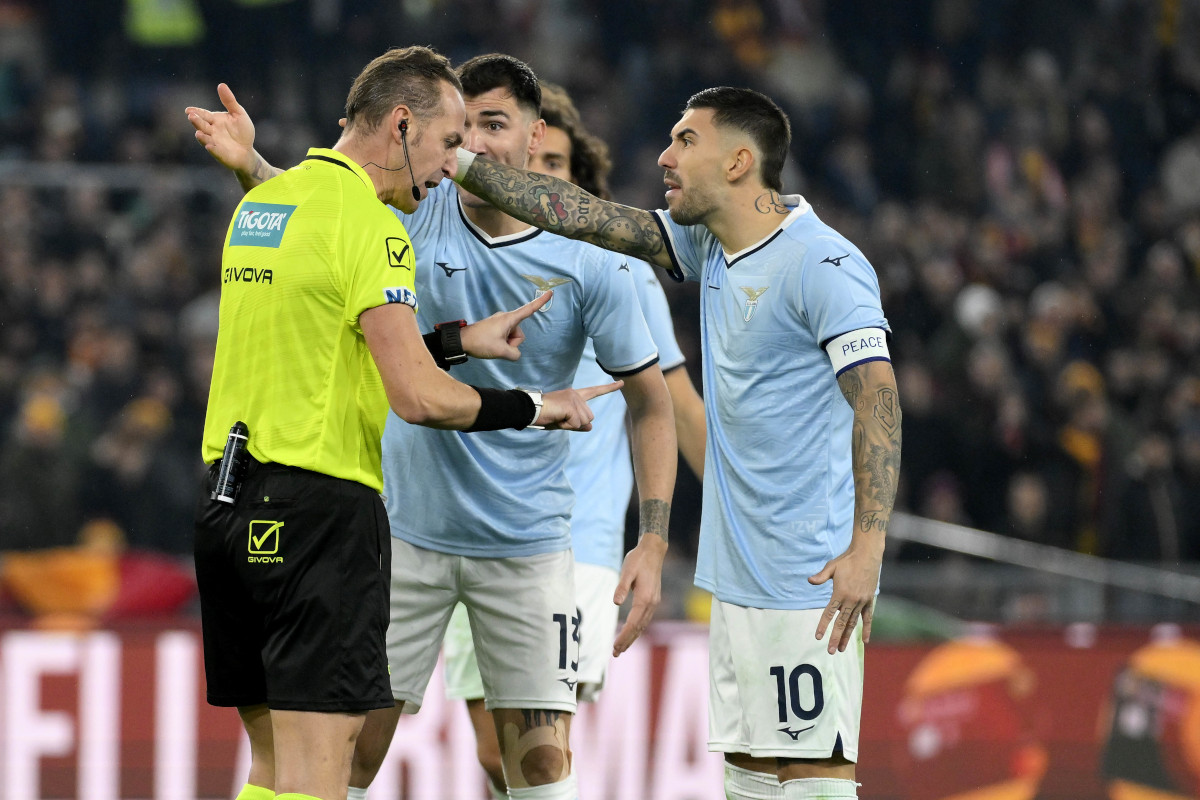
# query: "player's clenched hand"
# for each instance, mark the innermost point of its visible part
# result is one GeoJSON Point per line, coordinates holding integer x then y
{"type": "Point", "coordinates": [228, 135]}
{"type": "Point", "coordinates": [567, 409]}
{"type": "Point", "coordinates": [642, 574]}
{"type": "Point", "coordinates": [500, 336]}
{"type": "Point", "coordinates": [855, 575]}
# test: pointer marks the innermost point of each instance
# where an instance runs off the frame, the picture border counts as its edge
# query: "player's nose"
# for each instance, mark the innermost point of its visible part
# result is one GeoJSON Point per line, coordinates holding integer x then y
{"type": "Point", "coordinates": [474, 142]}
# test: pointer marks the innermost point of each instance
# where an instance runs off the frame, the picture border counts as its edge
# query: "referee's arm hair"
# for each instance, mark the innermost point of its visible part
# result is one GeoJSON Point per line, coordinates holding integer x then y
{"type": "Point", "coordinates": [422, 393]}
{"type": "Point", "coordinates": [417, 389]}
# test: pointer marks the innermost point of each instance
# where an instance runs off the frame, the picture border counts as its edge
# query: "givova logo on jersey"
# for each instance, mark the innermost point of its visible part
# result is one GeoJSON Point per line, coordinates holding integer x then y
{"type": "Point", "coordinates": [260, 224]}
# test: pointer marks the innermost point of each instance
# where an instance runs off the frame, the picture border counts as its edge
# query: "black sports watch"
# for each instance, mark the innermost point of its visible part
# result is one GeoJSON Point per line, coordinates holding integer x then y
{"type": "Point", "coordinates": [451, 341]}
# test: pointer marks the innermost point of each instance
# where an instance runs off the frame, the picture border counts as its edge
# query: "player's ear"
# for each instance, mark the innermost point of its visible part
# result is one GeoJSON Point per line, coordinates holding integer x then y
{"type": "Point", "coordinates": [740, 163]}
{"type": "Point", "coordinates": [537, 133]}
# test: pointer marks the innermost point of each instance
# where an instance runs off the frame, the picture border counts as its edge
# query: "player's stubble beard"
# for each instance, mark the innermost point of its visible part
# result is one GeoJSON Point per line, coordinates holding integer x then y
{"type": "Point", "coordinates": [692, 206]}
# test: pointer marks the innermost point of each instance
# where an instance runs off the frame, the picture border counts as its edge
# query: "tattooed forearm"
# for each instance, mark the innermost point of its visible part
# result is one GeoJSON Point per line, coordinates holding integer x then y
{"type": "Point", "coordinates": [654, 518]}
{"type": "Point", "coordinates": [850, 382]}
{"type": "Point", "coordinates": [870, 389]}
{"type": "Point", "coordinates": [563, 208]}
{"type": "Point", "coordinates": [261, 172]}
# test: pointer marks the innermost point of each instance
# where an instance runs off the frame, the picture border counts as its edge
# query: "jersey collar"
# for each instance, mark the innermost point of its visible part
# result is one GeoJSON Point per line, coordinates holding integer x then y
{"type": "Point", "coordinates": [494, 241]}
{"type": "Point", "coordinates": [800, 208]}
{"type": "Point", "coordinates": [326, 155]}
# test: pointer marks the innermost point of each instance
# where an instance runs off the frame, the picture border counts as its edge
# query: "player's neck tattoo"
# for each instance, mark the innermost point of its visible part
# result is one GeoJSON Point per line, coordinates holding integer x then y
{"type": "Point", "coordinates": [770, 203]}
{"type": "Point", "coordinates": [654, 518]}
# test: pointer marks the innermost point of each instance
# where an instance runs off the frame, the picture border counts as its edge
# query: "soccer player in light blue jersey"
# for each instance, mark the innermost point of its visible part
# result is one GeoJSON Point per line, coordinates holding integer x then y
{"type": "Point", "coordinates": [488, 524]}
{"type": "Point", "coordinates": [599, 467]}
{"type": "Point", "coordinates": [803, 448]}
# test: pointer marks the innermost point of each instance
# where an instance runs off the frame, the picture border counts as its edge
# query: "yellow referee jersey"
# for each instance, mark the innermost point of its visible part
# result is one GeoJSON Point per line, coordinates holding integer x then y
{"type": "Point", "coordinates": [306, 253]}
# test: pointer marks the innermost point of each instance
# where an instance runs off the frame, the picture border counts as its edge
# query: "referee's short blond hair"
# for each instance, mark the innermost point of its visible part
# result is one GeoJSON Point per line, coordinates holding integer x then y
{"type": "Point", "coordinates": [407, 76]}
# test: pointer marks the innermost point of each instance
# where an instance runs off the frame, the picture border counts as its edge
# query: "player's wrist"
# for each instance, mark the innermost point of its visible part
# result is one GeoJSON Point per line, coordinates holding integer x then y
{"type": "Point", "coordinates": [465, 159]}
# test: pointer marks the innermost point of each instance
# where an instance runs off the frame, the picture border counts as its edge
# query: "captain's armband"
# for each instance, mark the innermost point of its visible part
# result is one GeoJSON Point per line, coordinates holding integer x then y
{"type": "Point", "coordinates": [857, 347]}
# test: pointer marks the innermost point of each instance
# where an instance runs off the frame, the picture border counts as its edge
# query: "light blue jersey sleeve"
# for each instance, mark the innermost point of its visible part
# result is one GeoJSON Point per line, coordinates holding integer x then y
{"type": "Point", "coordinates": [657, 312]}
{"type": "Point", "coordinates": [690, 246]}
{"type": "Point", "coordinates": [839, 290]}
{"type": "Point", "coordinates": [612, 317]}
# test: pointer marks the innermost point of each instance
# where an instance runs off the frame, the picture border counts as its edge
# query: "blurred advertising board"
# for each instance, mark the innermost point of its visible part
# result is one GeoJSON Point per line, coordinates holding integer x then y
{"type": "Point", "coordinates": [1070, 713]}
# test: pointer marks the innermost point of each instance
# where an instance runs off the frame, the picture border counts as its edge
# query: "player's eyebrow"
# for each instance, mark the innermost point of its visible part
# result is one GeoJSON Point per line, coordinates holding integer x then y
{"type": "Point", "coordinates": [493, 113]}
{"type": "Point", "coordinates": [685, 132]}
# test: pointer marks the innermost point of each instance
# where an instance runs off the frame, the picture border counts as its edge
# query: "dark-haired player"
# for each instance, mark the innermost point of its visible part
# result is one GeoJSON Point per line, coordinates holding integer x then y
{"type": "Point", "coordinates": [803, 418]}
{"type": "Point", "coordinates": [490, 524]}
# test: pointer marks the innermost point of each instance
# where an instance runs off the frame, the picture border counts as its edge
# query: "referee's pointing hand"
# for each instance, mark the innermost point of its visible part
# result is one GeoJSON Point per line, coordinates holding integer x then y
{"type": "Point", "coordinates": [500, 335]}
{"type": "Point", "coordinates": [567, 409]}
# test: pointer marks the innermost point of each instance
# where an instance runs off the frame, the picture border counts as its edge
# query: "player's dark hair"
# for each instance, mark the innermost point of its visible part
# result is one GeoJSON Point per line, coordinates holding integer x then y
{"type": "Point", "coordinates": [590, 163]}
{"type": "Point", "coordinates": [410, 76]}
{"type": "Point", "coordinates": [757, 115]}
{"type": "Point", "coordinates": [498, 71]}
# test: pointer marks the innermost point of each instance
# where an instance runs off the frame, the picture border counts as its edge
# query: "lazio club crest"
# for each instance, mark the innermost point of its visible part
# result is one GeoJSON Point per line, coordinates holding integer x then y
{"type": "Point", "coordinates": [544, 285]}
{"type": "Point", "coordinates": [752, 296]}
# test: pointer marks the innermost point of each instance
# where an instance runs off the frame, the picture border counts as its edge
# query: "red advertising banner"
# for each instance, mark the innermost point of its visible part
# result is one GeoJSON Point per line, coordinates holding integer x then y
{"type": "Point", "coordinates": [1076, 713]}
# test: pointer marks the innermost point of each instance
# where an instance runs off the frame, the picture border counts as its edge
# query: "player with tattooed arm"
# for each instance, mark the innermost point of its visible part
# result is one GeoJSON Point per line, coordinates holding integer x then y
{"type": "Point", "coordinates": [803, 449]}
{"type": "Point", "coordinates": [488, 524]}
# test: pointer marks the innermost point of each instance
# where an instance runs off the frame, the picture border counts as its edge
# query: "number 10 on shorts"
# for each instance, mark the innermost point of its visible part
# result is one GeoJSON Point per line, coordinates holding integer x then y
{"type": "Point", "coordinates": [789, 692]}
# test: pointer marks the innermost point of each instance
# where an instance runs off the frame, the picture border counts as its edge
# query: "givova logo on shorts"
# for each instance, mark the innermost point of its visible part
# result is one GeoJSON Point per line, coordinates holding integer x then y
{"type": "Point", "coordinates": [259, 224]}
{"type": "Point", "coordinates": [264, 542]}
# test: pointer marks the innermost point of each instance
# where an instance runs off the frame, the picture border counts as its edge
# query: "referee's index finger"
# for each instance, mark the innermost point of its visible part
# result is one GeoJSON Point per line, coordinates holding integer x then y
{"type": "Point", "coordinates": [595, 391]}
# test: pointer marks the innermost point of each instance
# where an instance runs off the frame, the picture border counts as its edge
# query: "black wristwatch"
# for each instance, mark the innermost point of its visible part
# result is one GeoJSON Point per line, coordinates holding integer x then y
{"type": "Point", "coordinates": [451, 341]}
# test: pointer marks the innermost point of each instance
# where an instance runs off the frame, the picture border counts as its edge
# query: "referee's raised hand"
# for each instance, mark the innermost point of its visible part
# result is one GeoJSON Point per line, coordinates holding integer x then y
{"type": "Point", "coordinates": [567, 409]}
{"type": "Point", "coordinates": [227, 135]}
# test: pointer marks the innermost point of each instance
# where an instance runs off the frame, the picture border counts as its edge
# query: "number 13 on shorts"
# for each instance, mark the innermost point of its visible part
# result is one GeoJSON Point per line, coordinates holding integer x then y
{"type": "Point", "coordinates": [572, 646]}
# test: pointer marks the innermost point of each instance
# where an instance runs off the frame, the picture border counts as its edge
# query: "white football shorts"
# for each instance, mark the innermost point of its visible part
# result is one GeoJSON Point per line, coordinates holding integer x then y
{"type": "Point", "coordinates": [597, 615]}
{"type": "Point", "coordinates": [774, 690]}
{"type": "Point", "coordinates": [522, 613]}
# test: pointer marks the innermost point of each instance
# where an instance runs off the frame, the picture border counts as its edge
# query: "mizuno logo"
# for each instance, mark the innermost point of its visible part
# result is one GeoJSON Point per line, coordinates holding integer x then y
{"type": "Point", "coordinates": [544, 285]}
{"type": "Point", "coordinates": [796, 734]}
{"type": "Point", "coordinates": [837, 262]}
{"type": "Point", "coordinates": [570, 683]}
{"type": "Point", "coordinates": [624, 266]}
{"type": "Point", "coordinates": [752, 296]}
{"type": "Point", "coordinates": [449, 270]}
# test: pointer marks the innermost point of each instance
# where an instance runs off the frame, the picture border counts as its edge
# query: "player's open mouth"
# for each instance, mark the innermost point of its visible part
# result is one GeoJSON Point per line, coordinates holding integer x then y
{"type": "Point", "coordinates": [673, 188]}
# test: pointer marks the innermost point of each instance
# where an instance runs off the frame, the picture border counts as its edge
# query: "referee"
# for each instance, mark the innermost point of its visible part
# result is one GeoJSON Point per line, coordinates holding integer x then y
{"type": "Point", "coordinates": [318, 336]}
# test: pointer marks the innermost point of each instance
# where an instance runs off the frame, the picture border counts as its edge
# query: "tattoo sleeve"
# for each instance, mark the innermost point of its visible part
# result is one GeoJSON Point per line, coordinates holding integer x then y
{"type": "Point", "coordinates": [560, 207]}
{"type": "Point", "coordinates": [654, 518]}
{"type": "Point", "coordinates": [870, 389]}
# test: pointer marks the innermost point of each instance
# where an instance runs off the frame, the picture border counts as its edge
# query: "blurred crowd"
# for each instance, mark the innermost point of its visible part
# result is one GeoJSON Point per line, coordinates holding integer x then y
{"type": "Point", "coordinates": [1025, 176]}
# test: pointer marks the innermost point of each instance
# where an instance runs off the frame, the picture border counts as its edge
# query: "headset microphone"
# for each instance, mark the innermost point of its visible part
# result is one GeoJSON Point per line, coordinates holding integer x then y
{"type": "Point", "coordinates": [404, 143]}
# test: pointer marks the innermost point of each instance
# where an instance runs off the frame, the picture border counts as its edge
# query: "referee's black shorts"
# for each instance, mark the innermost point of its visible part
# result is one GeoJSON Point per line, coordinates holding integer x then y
{"type": "Point", "coordinates": [294, 592]}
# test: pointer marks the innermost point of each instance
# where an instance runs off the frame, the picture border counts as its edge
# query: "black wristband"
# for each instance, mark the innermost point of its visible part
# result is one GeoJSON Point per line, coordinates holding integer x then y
{"type": "Point", "coordinates": [433, 343]}
{"type": "Point", "coordinates": [502, 408]}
